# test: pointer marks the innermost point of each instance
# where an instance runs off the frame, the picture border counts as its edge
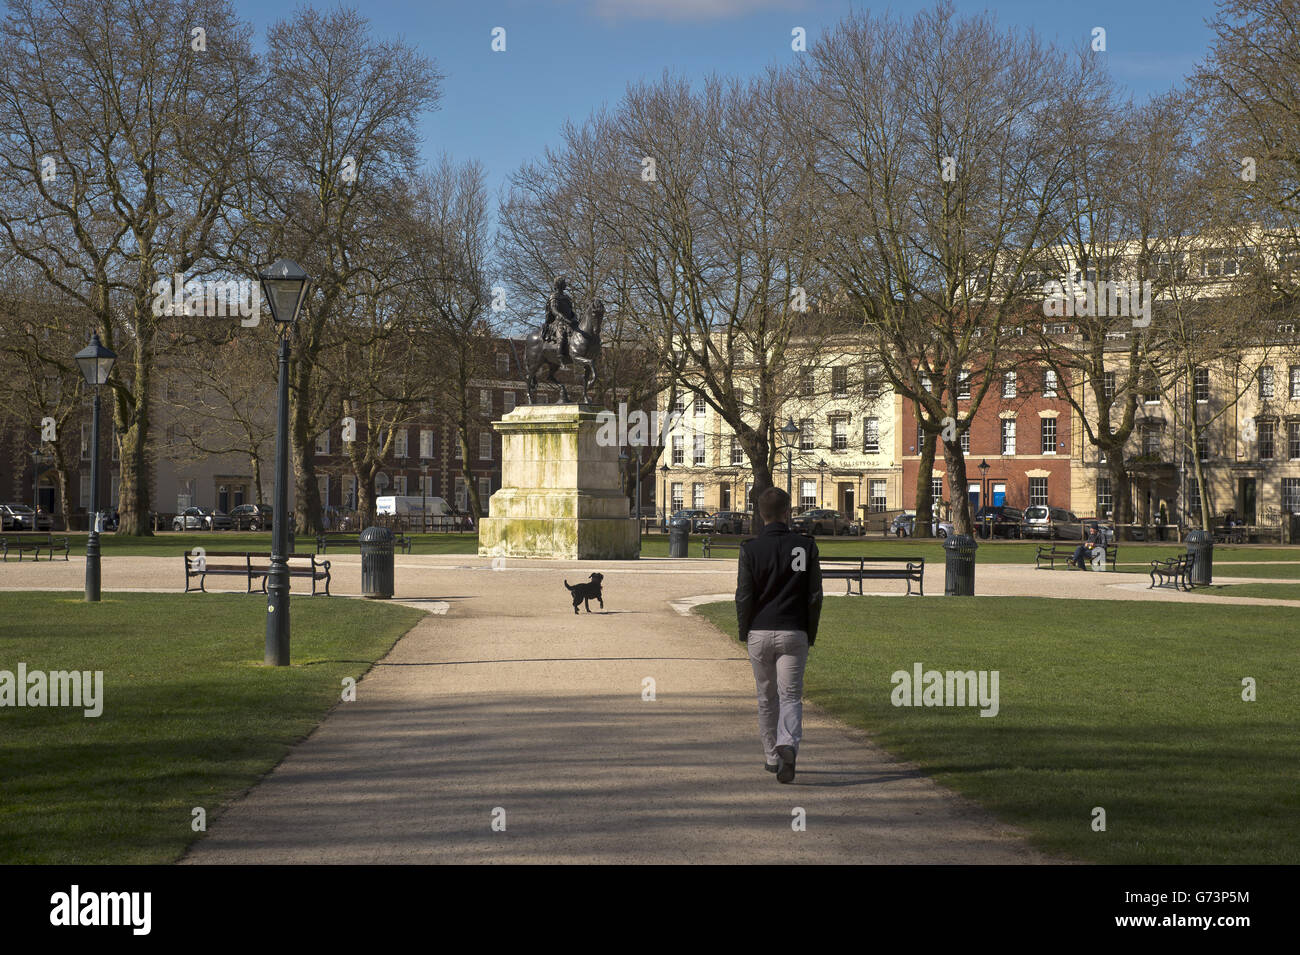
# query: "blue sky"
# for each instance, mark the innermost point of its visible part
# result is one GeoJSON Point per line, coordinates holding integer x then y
{"type": "Point", "coordinates": [564, 58]}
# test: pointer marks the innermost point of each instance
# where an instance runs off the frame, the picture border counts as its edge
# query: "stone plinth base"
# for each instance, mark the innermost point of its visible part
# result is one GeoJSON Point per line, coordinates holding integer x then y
{"type": "Point", "coordinates": [560, 493]}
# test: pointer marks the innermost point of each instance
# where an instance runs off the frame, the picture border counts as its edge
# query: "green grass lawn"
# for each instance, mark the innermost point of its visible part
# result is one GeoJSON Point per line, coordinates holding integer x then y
{"type": "Point", "coordinates": [190, 717]}
{"type": "Point", "coordinates": [1132, 707]}
{"type": "Point", "coordinates": [1264, 591]}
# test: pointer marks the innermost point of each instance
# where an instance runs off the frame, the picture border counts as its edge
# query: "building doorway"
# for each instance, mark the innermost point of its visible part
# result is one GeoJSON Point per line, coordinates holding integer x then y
{"type": "Point", "coordinates": [846, 502]}
{"type": "Point", "coordinates": [1246, 495]}
{"type": "Point", "coordinates": [973, 492]}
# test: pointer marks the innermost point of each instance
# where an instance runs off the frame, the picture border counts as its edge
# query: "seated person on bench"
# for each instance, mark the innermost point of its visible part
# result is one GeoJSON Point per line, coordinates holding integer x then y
{"type": "Point", "coordinates": [1093, 548]}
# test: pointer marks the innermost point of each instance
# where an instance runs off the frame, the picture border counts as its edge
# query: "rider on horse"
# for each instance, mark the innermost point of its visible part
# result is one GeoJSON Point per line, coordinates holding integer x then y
{"type": "Point", "coordinates": [560, 320]}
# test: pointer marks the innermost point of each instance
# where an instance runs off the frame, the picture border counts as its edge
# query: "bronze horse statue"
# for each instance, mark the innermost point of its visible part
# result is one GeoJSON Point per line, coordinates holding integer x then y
{"type": "Point", "coordinates": [584, 349]}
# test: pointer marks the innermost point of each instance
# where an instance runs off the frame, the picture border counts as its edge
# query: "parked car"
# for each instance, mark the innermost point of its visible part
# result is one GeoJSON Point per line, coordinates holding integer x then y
{"type": "Point", "coordinates": [1004, 519]}
{"type": "Point", "coordinates": [251, 517]}
{"type": "Point", "coordinates": [820, 521]}
{"type": "Point", "coordinates": [726, 522]}
{"type": "Point", "coordinates": [904, 525]}
{"type": "Point", "coordinates": [1054, 523]}
{"type": "Point", "coordinates": [201, 519]}
{"type": "Point", "coordinates": [696, 517]}
{"type": "Point", "coordinates": [17, 517]}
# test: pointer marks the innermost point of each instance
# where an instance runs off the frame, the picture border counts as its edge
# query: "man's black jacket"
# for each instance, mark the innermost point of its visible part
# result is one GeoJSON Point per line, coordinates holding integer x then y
{"type": "Point", "coordinates": [779, 585]}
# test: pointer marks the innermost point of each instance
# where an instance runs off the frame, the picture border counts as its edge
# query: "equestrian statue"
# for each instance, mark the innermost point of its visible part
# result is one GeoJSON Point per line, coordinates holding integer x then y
{"type": "Point", "coordinates": [564, 339]}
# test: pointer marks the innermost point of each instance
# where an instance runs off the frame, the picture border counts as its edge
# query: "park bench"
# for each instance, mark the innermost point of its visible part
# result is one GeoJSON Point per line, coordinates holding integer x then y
{"type": "Point", "coordinates": [711, 545]}
{"type": "Point", "coordinates": [251, 567]}
{"type": "Point", "coordinates": [325, 541]}
{"type": "Point", "coordinates": [33, 544]}
{"type": "Point", "coordinates": [910, 569]}
{"type": "Point", "coordinates": [1175, 570]}
{"type": "Point", "coordinates": [1050, 554]}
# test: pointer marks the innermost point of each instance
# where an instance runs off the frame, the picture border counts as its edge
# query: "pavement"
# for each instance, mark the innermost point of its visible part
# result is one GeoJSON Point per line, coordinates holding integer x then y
{"type": "Point", "coordinates": [503, 707]}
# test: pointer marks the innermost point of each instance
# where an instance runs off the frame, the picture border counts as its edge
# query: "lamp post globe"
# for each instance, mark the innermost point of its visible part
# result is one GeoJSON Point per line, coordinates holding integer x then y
{"type": "Point", "coordinates": [285, 285]}
{"type": "Point", "coordinates": [96, 363]}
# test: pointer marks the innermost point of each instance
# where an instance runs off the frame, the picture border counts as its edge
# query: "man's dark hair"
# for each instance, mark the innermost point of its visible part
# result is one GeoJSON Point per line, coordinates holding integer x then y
{"type": "Point", "coordinates": [772, 504]}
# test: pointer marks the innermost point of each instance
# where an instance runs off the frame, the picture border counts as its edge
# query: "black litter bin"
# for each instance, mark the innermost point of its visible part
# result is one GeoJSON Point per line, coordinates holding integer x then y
{"type": "Point", "coordinates": [959, 555]}
{"type": "Point", "coordinates": [679, 537]}
{"type": "Point", "coordinates": [1200, 546]}
{"type": "Point", "coordinates": [377, 563]}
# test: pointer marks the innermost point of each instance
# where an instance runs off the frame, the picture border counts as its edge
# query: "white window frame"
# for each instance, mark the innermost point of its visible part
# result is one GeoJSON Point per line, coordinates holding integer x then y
{"type": "Point", "coordinates": [485, 445]}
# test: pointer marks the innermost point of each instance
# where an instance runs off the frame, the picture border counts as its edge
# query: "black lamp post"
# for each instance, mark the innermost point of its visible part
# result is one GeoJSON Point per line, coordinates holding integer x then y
{"type": "Point", "coordinates": [424, 492]}
{"type": "Point", "coordinates": [664, 471]}
{"type": "Point", "coordinates": [285, 285]}
{"type": "Point", "coordinates": [821, 481]}
{"type": "Point", "coordinates": [789, 432]}
{"type": "Point", "coordinates": [984, 470]}
{"type": "Point", "coordinates": [95, 362]}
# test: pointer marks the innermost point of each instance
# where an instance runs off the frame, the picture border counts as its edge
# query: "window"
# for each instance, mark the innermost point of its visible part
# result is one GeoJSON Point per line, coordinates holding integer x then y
{"type": "Point", "coordinates": [1105, 501]}
{"type": "Point", "coordinates": [697, 456]}
{"type": "Point", "coordinates": [1008, 435]}
{"type": "Point", "coordinates": [679, 404]}
{"type": "Point", "coordinates": [323, 442]}
{"type": "Point", "coordinates": [400, 443]}
{"type": "Point", "coordinates": [503, 364]}
{"type": "Point", "coordinates": [84, 482]}
{"type": "Point", "coordinates": [485, 401]}
{"type": "Point", "coordinates": [807, 387]}
{"type": "Point", "coordinates": [724, 496]}
{"type": "Point", "coordinates": [485, 445]}
{"type": "Point", "coordinates": [697, 496]}
{"type": "Point", "coordinates": [1049, 435]}
{"type": "Point", "coordinates": [425, 482]}
{"type": "Point", "coordinates": [1151, 394]}
{"type": "Point", "coordinates": [484, 492]}
{"type": "Point", "coordinates": [805, 434]}
{"type": "Point", "coordinates": [936, 489]}
{"type": "Point", "coordinates": [1267, 385]}
{"type": "Point", "coordinates": [1038, 492]}
{"type": "Point", "coordinates": [426, 443]}
{"type": "Point", "coordinates": [839, 381]}
{"type": "Point", "coordinates": [1266, 440]}
{"type": "Point", "coordinates": [461, 494]}
{"type": "Point", "coordinates": [737, 452]}
{"type": "Point", "coordinates": [85, 441]}
{"type": "Point", "coordinates": [807, 493]}
{"type": "Point", "coordinates": [1009, 384]}
{"type": "Point", "coordinates": [871, 435]}
{"type": "Point", "coordinates": [1108, 385]}
{"type": "Point", "coordinates": [1201, 384]}
{"type": "Point", "coordinates": [840, 434]}
{"type": "Point", "coordinates": [1295, 381]}
{"type": "Point", "coordinates": [1291, 495]}
{"type": "Point", "coordinates": [876, 495]}
{"type": "Point", "coordinates": [1049, 383]}
{"type": "Point", "coordinates": [925, 383]}
{"type": "Point", "coordinates": [965, 442]}
{"type": "Point", "coordinates": [1202, 447]}
{"type": "Point", "coordinates": [679, 452]}
{"type": "Point", "coordinates": [1150, 440]}
{"type": "Point", "coordinates": [871, 376]}
{"type": "Point", "coordinates": [920, 438]}
{"type": "Point", "coordinates": [508, 401]}
{"type": "Point", "coordinates": [114, 454]}
{"type": "Point", "coordinates": [323, 484]}
{"type": "Point", "coordinates": [700, 406]}
{"type": "Point", "coordinates": [676, 496]}
{"type": "Point", "coordinates": [1293, 439]}
{"type": "Point", "coordinates": [963, 384]}
{"type": "Point", "coordinates": [460, 452]}
{"type": "Point", "coordinates": [1193, 498]}
{"type": "Point", "coordinates": [399, 485]}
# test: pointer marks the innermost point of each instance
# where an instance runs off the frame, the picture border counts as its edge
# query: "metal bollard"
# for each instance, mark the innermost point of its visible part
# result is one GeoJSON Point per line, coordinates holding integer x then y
{"type": "Point", "coordinates": [959, 571]}
{"type": "Point", "coordinates": [377, 563]}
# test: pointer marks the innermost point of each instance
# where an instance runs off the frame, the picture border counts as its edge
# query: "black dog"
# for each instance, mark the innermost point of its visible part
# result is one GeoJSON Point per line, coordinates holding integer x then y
{"type": "Point", "coordinates": [585, 593]}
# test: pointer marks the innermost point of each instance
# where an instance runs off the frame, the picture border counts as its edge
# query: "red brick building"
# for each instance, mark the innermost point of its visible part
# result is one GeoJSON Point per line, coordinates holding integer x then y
{"type": "Point", "coordinates": [1023, 431]}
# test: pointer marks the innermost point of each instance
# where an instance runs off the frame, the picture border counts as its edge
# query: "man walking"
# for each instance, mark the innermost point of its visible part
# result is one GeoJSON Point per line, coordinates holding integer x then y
{"type": "Point", "coordinates": [778, 605]}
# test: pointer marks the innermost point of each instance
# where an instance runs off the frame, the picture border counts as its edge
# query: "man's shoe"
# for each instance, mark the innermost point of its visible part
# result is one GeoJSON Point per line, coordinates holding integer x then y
{"type": "Point", "coordinates": [771, 767]}
{"type": "Point", "coordinates": [784, 764]}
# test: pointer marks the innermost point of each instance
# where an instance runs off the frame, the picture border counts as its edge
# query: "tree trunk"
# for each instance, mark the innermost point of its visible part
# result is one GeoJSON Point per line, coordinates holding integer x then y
{"type": "Point", "coordinates": [924, 495]}
{"type": "Point", "coordinates": [302, 450]}
{"type": "Point", "coordinates": [956, 463]}
{"type": "Point", "coordinates": [1121, 495]}
{"type": "Point", "coordinates": [256, 463]}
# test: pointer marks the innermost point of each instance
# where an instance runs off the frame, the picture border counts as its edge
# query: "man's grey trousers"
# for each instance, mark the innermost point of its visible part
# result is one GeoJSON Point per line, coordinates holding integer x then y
{"type": "Point", "coordinates": [778, 658]}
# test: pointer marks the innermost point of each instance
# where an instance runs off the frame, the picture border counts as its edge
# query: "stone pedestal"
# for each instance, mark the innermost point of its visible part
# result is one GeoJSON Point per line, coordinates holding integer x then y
{"type": "Point", "coordinates": [560, 491]}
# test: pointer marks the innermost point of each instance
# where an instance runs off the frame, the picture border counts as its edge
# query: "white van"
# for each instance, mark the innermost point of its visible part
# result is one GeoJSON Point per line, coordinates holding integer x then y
{"type": "Point", "coordinates": [407, 508]}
